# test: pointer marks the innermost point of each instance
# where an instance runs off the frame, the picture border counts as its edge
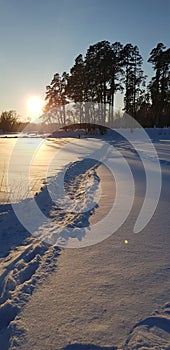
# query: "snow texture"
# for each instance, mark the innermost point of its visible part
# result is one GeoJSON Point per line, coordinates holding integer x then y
{"type": "Point", "coordinates": [26, 261]}
{"type": "Point", "coordinates": [152, 332]}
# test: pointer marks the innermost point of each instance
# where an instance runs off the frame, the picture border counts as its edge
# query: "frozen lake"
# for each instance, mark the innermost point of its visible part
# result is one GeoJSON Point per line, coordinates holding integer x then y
{"type": "Point", "coordinates": [24, 160]}
{"type": "Point", "coordinates": [18, 156]}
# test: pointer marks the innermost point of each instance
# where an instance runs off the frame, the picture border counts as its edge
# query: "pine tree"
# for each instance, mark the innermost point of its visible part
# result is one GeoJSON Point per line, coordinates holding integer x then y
{"type": "Point", "coordinates": [76, 88]}
{"type": "Point", "coordinates": [56, 97]}
{"type": "Point", "coordinates": [98, 72]}
{"type": "Point", "coordinates": [160, 84]}
{"type": "Point", "coordinates": [134, 78]}
{"type": "Point", "coordinates": [116, 77]}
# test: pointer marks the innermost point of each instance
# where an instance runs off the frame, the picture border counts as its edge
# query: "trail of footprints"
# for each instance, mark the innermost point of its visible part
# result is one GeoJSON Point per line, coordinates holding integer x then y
{"type": "Point", "coordinates": [23, 268]}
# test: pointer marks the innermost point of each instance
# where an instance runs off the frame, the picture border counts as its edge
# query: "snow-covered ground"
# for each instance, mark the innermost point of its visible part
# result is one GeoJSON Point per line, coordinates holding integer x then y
{"type": "Point", "coordinates": [111, 295]}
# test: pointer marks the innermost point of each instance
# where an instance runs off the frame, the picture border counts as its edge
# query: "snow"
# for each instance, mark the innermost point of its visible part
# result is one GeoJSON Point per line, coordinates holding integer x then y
{"type": "Point", "coordinates": [109, 295]}
{"type": "Point", "coordinates": [24, 262]}
{"type": "Point", "coordinates": [152, 332]}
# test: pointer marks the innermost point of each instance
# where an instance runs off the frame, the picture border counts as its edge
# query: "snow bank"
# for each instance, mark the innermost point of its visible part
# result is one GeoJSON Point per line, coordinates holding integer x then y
{"type": "Point", "coordinates": [65, 134]}
{"type": "Point", "coordinates": [154, 133]}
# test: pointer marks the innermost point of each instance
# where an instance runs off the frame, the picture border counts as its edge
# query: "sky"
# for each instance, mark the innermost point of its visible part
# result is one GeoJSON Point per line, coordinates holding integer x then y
{"type": "Point", "coordinates": [39, 38]}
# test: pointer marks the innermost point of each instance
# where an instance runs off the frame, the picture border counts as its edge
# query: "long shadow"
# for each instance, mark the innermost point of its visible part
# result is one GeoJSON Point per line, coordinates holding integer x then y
{"type": "Point", "coordinates": [12, 233]}
{"type": "Point", "coordinates": [123, 143]}
{"type": "Point", "coordinates": [155, 321]}
{"type": "Point", "coordinates": [88, 347]}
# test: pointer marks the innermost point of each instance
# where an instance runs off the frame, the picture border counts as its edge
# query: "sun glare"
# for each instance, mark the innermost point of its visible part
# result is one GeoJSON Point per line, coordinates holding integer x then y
{"type": "Point", "coordinates": [35, 105]}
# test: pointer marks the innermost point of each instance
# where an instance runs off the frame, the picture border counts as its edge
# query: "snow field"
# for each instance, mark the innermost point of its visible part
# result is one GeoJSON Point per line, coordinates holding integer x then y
{"type": "Point", "coordinates": [98, 291]}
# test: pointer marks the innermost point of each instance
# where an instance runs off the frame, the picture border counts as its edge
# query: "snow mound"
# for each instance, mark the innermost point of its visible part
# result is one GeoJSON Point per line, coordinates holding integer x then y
{"type": "Point", "coordinates": [66, 134]}
{"type": "Point", "coordinates": [152, 333]}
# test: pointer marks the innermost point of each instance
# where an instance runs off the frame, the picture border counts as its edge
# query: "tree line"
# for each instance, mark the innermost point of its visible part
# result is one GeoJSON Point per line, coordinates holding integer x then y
{"type": "Point", "coordinates": [87, 93]}
{"type": "Point", "coordinates": [9, 121]}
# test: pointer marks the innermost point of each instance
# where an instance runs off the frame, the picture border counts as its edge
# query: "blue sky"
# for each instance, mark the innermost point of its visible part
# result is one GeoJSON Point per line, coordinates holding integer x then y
{"type": "Point", "coordinates": [39, 38]}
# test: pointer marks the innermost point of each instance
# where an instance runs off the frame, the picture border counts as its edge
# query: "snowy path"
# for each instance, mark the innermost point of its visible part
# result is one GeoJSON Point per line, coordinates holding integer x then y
{"type": "Point", "coordinates": [99, 293]}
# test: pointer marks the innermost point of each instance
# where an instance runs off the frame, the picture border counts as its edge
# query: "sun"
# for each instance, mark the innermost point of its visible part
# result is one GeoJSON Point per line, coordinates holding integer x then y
{"type": "Point", "coordinates": [35, 105]}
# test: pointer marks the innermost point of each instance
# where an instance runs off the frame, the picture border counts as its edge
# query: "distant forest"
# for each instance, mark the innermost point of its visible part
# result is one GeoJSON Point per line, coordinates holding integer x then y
{"type": "Point", "coordinates": [87, 93]}
{"type": "Point", "coordinates": [94, 80]}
